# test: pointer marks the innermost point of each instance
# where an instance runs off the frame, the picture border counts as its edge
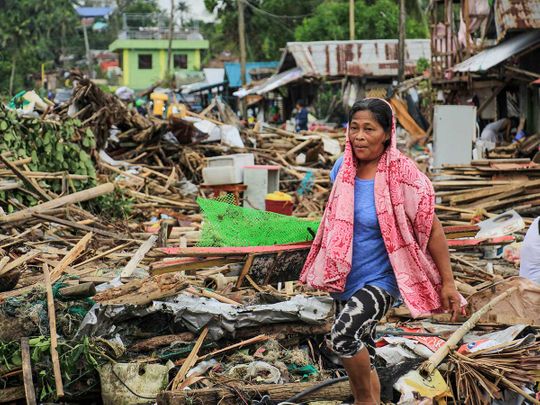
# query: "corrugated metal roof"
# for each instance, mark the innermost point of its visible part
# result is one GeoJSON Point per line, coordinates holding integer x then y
{"type": "Point", "coordinates": [373, 58]}
{"type": "Point", "coordinates": [232, 70]}
{"type": "Point", "coordinates": [515, 15]}
{"type": "Point", "coordinates": [272, 83]}
{"type": "Point", "coordinates": [493, 56]}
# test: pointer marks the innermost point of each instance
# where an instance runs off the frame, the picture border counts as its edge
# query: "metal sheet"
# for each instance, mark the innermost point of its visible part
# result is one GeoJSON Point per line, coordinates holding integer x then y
{"type": "Point", "coordinates": [272, 83]}
{"type": "Point", "coordinates": [511, 15]}
{"type": "Point", "coordinates": [375, 58]}
{"type": "Point", "coordinates": [453, 130]}
{"type": "Point", "coordinates": [491, 57]}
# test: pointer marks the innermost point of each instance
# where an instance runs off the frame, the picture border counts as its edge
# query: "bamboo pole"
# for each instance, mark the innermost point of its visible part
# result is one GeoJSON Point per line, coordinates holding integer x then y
{"type": "Point", "coordinates": [59, 202]}
{"type": "Point", "coordinates": [436, 358]}
{"type": "Point", "coordinates": [52, 329]}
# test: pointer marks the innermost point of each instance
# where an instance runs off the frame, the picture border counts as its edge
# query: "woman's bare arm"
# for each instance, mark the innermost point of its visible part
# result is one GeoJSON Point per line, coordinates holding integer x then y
{"type": "Point", "coordinates": [438, 248]}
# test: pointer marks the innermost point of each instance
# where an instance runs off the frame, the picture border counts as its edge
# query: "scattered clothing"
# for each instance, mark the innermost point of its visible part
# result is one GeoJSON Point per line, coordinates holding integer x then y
{"type": "Point", "coordinates": [370, 261]}
{"type": "Point", "coordinates": [530, 253]}
{"type": "Point", "coordinates": [405, 206]}
{"type": "Point", "coordinates": [356, 319]}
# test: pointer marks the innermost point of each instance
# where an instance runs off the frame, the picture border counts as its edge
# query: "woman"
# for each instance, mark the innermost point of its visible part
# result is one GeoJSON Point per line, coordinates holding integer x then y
{"type": "Point", "coordinates": [379, 239]}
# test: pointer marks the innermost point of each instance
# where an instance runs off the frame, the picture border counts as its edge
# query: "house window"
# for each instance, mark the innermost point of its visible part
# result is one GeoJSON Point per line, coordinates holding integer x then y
{"type": "Point", "coordinates": [180, 61]}
{"type": "Point", "coordinates": [145, 61]}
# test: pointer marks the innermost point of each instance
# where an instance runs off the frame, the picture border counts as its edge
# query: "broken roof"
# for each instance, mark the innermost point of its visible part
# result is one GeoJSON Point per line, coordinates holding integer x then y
{"type": "Point", "coordinates": [375, 58]}
{"type": "Point", "coordinates": [493, 56]}
{"type": "Point", "coordinates": [516, 15]}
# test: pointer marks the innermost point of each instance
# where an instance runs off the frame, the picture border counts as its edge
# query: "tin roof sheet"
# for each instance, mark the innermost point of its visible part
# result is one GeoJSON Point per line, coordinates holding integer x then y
{"type": "Point", "coordinates": [373, 58]}
{"type": "Point", "coordinates": [516, 15]}
{"type": "Point", "coordinates": [493, 56]}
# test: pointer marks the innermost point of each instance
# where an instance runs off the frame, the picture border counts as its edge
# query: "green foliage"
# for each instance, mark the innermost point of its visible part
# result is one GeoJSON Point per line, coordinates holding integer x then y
{"type": "Point", "coordinates": [422, 65]}
{"type": "Point", "coordinates": [79, 361]}
{"type": "Point", "coordinates": [116, 205]}
{"type": "Point", "coordinates": [53, 147]}
{"type": "Point", "coordinates": [31, 33]}
{"type": "Point", "coordinates": [270, 24]}
{"type": "Point", "coordinates": [380, 19]}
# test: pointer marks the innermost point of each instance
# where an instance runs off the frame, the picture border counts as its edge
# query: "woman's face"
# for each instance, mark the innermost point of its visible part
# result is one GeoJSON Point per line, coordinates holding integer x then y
{"type": "Point", "coordinates": [367, 136]}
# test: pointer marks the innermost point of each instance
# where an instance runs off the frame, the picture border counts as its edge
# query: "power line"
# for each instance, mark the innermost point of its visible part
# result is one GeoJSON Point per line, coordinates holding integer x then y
{"type": "Point", "coordinates": [275, 15]}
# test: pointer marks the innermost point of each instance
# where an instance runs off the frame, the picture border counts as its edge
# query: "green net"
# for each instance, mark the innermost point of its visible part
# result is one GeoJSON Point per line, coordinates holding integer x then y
{"type": "Point", "coordinates": [227, 224]}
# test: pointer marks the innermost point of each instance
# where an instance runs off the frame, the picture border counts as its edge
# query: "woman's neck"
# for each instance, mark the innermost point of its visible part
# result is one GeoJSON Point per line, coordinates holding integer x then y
{"type": "Point", "coordinates": [366, 170]}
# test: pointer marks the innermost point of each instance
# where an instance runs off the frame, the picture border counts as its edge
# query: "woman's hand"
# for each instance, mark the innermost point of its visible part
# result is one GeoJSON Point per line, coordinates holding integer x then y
{"type": "Point", "coordinates": [451, 300]}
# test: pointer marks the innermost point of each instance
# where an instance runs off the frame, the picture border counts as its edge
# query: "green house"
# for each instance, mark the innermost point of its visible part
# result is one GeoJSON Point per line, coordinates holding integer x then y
{"type": "Point", "coordinates": [144, 61]}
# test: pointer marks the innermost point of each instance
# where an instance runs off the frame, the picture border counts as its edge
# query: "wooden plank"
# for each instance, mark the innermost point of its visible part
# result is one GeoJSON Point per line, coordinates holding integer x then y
{"type": "Point", "coordinates": [138, 256]}
{"type": "Point", "coordinates": [190, 360]}
{"type": "Point", "coordinates": [54, 339]}
{"type": "Point", "coordinates": [27, 372]}
{"type": "Point", "coordinates": [190, 264]}
{"type": "Point", "coordinates": [202, 292]}
{"type": "Point", "coordinates": [21, 260]}
{"type": "Point", "coordinates": [58, 202]}
{"type": "Point", "coordinates": [233, 251]}
{"type": "Point", "coordinates": [79, 291]}
{"type": "Point", "coordinates": [70, 257]}
{"type": "Point", "coordinates": [245, 270]}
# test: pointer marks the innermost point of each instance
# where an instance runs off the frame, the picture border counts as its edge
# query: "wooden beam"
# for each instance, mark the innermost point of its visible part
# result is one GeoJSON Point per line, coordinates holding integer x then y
{"type": "Point", "coordinates": [233, 251]}
{"type": "Point", "coordinates": [54, 339]}
{"type": "Point", "coordinates": [190, 360]}
{"type": "Point", "coordinates": [138, 256]}
{"type": "Point", "coordinates": [58, 202]}
{"type": "Point", "coordinates": [27, 372]}
{"type": "Point", "coordinates": [70, 257]}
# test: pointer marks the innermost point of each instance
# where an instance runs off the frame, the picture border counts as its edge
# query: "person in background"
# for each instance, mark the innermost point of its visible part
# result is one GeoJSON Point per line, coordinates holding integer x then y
{"type": "Point", "coordinates": [301, 116]}
{"type": "Point", "coordinates": [140, 106]}
{"type": "Point", "coordinates": [379, 240]}
{"type": "Point", "coordinates": [530, 253]}
{"type": "Point", "coordinates": [497, 131]}
{"type": "Point", "coordinates": [520, 132]}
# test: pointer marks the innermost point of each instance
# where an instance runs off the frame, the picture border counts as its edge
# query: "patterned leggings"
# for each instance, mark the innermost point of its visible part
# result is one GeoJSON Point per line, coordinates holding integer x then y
{"type": "Point", "coordinates": [356, 319]}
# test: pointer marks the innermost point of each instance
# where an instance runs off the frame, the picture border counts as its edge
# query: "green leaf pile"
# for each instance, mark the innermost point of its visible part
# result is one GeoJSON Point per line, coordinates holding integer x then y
{"type": "Point", "coordinates": [54, 146]}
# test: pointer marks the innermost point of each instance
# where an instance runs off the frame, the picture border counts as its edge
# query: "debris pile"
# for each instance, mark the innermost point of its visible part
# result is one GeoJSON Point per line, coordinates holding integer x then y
{"type": "Point", "coordinates": [133, 288]}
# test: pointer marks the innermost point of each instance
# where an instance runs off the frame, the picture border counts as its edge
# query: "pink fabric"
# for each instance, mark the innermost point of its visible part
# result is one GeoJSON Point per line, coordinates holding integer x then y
{"type": "Point", "coordinates": [404, 201]}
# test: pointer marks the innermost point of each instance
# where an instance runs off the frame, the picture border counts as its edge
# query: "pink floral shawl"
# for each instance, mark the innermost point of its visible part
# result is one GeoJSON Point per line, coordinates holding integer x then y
{"type": "Point", "coordinates": [404, 201]}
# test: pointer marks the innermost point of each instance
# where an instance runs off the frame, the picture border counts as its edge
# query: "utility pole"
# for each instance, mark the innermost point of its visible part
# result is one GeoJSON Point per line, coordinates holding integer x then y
{"type": "Point", "coordinates": [242, 39]}
{"type": "Point", "coordinates": [87, 47]}
{"type": "Point", "coordinates": [169, 49]}
{"type": "Point", "coordinates": [401, 57]}
{"type": "Point", "coordinates": [351, 20]}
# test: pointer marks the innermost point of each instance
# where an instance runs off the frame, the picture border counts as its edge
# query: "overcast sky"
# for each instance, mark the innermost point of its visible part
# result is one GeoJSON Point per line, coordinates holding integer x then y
{"type": "Point", "coordinates": [196, 9]}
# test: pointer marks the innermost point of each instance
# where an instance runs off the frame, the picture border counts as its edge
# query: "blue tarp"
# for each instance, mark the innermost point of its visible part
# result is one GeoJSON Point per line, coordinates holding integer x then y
{"type": "Point", "coordinates": [92, 12]}
{"type": "Point", "coordinates": [232, 71]}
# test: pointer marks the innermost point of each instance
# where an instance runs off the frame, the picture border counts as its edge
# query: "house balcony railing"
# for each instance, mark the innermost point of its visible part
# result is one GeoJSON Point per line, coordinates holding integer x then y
{"type": "Point", "coordinates": [158, 33]}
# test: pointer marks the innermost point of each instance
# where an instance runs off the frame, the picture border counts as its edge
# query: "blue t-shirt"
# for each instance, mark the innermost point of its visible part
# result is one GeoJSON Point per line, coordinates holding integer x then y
{"type": "Point", "coordinates": [370, 262]}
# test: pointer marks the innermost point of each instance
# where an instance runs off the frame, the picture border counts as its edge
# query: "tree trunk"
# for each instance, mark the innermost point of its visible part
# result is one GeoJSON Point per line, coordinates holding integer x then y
{"type": "Point", "coordinates": [12, 75]}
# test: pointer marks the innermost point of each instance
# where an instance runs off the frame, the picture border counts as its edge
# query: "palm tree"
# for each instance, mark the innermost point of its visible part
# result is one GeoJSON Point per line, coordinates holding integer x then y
{"type": "Point", "coordinates": [183, 8]}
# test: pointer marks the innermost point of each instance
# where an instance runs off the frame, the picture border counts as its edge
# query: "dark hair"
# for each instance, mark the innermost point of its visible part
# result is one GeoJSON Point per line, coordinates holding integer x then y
{"type": "Point", "coordinates": [301, 103]}
{"type": "Point", "coordinates": [380, 110]}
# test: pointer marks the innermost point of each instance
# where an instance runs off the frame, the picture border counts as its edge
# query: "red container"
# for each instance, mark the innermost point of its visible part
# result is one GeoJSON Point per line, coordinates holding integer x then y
{"type": "Point", "coordinates": [279, 207]}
